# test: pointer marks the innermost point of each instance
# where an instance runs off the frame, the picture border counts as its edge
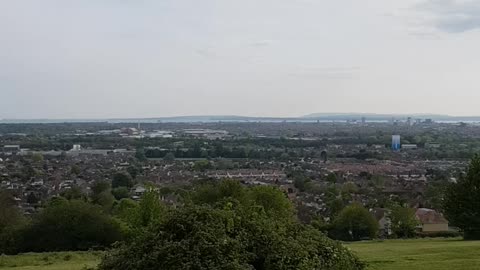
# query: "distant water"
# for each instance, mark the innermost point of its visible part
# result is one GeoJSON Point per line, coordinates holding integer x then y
{"type": "Point", "coordinates": [206, 120]}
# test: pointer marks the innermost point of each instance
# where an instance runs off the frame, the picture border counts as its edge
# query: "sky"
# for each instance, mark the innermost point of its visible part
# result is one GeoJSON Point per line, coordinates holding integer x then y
{"type": "Point", "coordinates": [156, 58]}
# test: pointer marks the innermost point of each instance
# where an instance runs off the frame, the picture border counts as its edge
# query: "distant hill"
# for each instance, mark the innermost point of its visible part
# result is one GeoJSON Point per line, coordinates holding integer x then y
{"type": "Point", "coordinates": [236, 118]}
{"type": "Point", "coordinates": [386, 117]}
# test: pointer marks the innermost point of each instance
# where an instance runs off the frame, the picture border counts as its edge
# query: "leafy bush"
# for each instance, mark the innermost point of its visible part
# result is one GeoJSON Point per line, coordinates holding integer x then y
{"type": "Point", "coordinates": [199, 237]}
{"type": "Point", "coordinates": [462, 200]}
{"type": "Point", "coordinates": [404, 222]}
{"type": "Point", "coordinates": [354, 223]}
{"type": "Point", "coordinates": [448, 234]}
{"type": "Point", "coordinates": [234, 228]}
{"type": "Point", "coordinates": [63, 226]}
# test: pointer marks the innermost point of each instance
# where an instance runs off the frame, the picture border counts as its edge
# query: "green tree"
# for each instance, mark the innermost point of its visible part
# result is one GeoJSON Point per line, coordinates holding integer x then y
{"type": "Point", "coordinates": [122, 179]}
{"type": "Point", "coordinates": [69, 225]}
{"type": "Point", "coordinates": [213, 193]}
{"type": "Point", "coordinates": [334, 206]}
{"type": "Point", "coordinates": [202, 165]}
{"type": "Point", "coordinates": [133, 171]}
{"type": "Point", "coordinates": [332, 178]}
{"type": "Point", "coordinates": [348, 189]}
{"type": "Point", "coordinates": [272, 200]}
{"type": "Point", "coordinates": [462, 201]}
{"type": "Point", "coordinates": [224, 164]}
{"type": "Point", "coordinates": [126, 210]}
{"type": "Point", "coordinates": [121, 193]}
{"type": "Point", "coordinates": [10, 215]}
{"type": "Point", "coordinates": [37, 158]}
{"type": "Point", "coordinates": [301, 182]}
{"type": "Point", "coordinates": [200, 237]}
{"type": "Point", "coordinates": [32, 198]}
{"type": "Point", "coordinates": [150, 210]}
{"type": "Point", "coordinates": [102, 195]}
{"type": "Point", "coordinates": [377, 181]}
{"type": "Point", "coordinates": [99, 187]}
{"type": "Point", "coordinates": [140, 155]}
{"type": "Point", "coordinates": [284, 157]}
{"type": "Point", "coordinates": [434, 195]}
{"type": "Point", "coordinates": [354, 223]}
{"type": "Point", "coordinates": [169, 157]}
{"type": "Point", "coordinates": [75, 169]}
{"type": "Point", "coordinates": [404, 221]}
{"type": "Point", "coordinates": [75, 193]}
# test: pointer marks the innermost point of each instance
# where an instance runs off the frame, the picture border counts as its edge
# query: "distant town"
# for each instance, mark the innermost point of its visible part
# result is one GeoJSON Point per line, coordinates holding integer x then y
{"type": "Point", "coordinates": [371, 163]}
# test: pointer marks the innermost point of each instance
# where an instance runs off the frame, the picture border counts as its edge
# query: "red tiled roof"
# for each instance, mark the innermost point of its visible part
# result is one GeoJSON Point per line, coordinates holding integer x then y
{"type": "Point", "coordinates": [429, 216]}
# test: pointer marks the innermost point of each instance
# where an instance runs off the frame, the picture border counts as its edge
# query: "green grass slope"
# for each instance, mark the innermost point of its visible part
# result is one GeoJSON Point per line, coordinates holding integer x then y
{"type": "Point", "coordinates": [421, 254]}
{"type": "Point", "coordinates": [51, 261]}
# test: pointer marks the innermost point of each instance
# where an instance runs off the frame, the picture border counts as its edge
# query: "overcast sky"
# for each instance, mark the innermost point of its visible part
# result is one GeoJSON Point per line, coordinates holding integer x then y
{"type": "Point", "coordinates": [152, 58]}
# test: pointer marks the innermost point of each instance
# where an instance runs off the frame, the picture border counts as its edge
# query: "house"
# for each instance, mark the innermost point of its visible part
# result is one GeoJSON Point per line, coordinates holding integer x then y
{"type": "Point", "coordinates": [382, 215]}
{"type": "Point", "coordinates": [409, 146]}
{"type": "Point", "coordinates": [431, 221]}
{"type": "Point", "coordinates": [138, 191]}
{"type": "Point", "coordinates": [11, 149]}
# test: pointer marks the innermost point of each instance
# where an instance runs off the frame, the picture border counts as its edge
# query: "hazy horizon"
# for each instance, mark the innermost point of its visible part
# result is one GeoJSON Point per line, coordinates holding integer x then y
{"type": "Point", "coordinates": [306, 116]}
{"type": "Point", "coordinates": [282, 58]}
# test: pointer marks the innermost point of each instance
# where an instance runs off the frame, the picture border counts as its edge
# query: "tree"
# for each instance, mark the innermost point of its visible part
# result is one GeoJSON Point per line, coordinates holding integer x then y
{"type": "Point", "coordinates": [348, 188]}
{"type": "Point", "coordinates": [99, 187]}
{"type": "Point", "coordinates": [125, 210]}
{"type": "Point", "coordinates": [202, 165]}
{"type": "Point", "coordinates": [37, 157]}
{"type": "Point", "coordinates": [75, 193]}
{"type": "Point", "coordinates": [151, 209]}
{"type": "Point", "coordinates": [272, 200]}
{"type": "Point", "coordinates": [224, 164]}
{"type": "Point", "coordinates": [133, 171]}
{"type": "Point", "coordinates": [377, 182]}
{"type": "Point", "coordinates": [332, 178]}
{"type": "Point", "coordinates": [32, 198]}
{"type": "Point", "coordinates": [300, 182]}
{"type": "Point", "coordinates": [69, 225]}
{"type": "Point", "coordinates": [12, 223]}
{"type": "Point", "coordinates": [140, 154]}
{"type": "Point", "coordinates": [122, 179]}
{"type": "Point", "coordinates": [284, 157]}
{"type": "Point", "coordinates": [434, 195]}
{"type": "Point", "coordinates": [462, 201]}
{"type": "Point", "coordinates": [323, 156]}
{"type": "Point", "coordinates": [10, 215]}
{"type": "Point", "coordinates": [169, 157]}
{"type": "Point", "coordinates": [334, 207]}
{"type": "Point", "coordinates": [102, 195]}
{"type": "Point", "coordinates": [235, 228]}
{"type": "Point", "coordinates": [354, 223]}
{"type": "Point", "coordinates": [138, 216]}
{"type": "Point", "coordinates": [121, 193]}
{"type": "Point", "coordinates": [200, 237]}
{"type": "Point", "coordinates": [404, 221]}
{"type": "Point", "coordinates": [75, 169]}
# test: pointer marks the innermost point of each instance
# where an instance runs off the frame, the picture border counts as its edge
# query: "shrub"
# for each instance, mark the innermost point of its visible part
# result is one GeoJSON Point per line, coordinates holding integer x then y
{"type": "Point", "coordinates": [64, 226]}
{"type": "Point", "coordinates": [447, 234]}
{"type": "Point", "coordinates": [229, 231]}
{"type": "Point", "coordinates": [354, 223]}
{"type": "Point", "coordinates": [462, 199]}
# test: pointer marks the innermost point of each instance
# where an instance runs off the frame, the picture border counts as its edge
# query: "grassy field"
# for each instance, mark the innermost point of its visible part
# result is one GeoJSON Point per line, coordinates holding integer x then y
{"type": "Point", "coordinates": [423, 254]}
{"type": "Point", "coordinates": [51, 261]}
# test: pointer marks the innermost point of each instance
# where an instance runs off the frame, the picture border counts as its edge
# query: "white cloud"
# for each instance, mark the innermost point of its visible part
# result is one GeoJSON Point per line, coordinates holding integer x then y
{"type": "Point", "coordinates": [453, 16]}
{"type": "Point", "coordinates": [270, 57]}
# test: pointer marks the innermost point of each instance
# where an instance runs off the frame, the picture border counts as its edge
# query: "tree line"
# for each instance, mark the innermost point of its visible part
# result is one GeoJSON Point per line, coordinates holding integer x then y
{"type": "Point", "coordinates": [217, 225]}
